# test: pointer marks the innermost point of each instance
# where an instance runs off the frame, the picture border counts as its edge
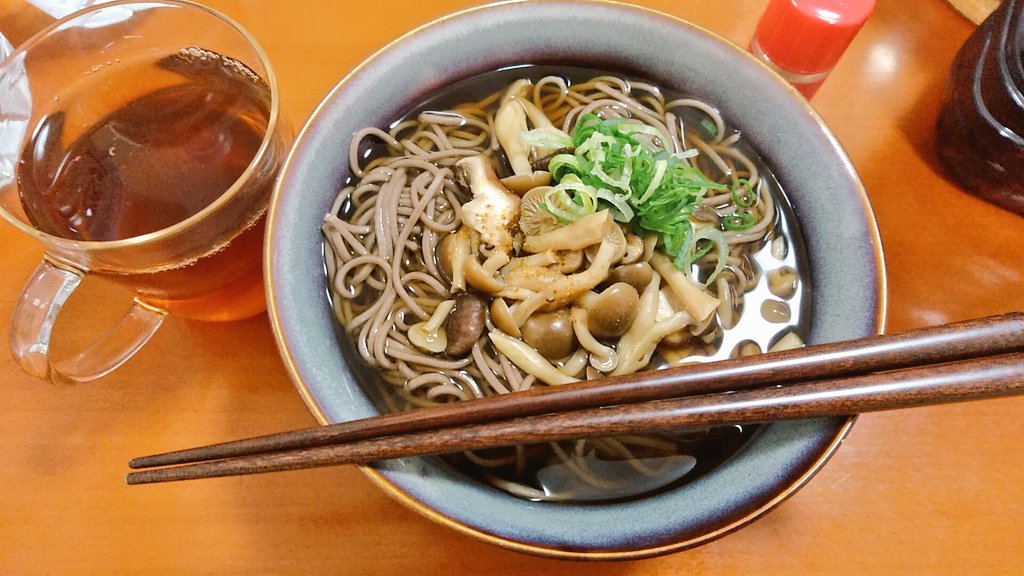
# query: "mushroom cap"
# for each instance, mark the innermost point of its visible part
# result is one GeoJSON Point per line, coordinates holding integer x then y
{"type": "Point", "coordinates": [638, 274]}
{"type": "Point", "coordinates": [551, 334]}
{"type": "Point", "coordinates": [612, 312]}
{"type": "Point", "coordinates": [533, 218]}
{"type": "Point", "coordinates": [444, 252]}
{"type": "Point", "coordinates": [465, 324]}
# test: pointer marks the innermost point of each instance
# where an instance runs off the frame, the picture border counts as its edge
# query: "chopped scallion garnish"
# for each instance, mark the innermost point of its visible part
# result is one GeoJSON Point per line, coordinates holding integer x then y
{"type": "Point", "coordinates": [650, 187]}
{"type": "Point", "coordinates": [738, 221]}
{"type": "Point", "coordinates": [742, 194]}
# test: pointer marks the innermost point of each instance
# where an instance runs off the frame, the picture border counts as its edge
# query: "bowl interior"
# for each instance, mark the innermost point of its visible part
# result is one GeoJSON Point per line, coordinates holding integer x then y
{"type": "Point", "coordinates": [843, 251]}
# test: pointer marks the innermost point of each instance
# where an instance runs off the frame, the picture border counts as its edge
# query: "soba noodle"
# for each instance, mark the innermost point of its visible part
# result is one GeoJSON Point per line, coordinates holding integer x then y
{"type": "Point", "coordinates": [465, 262]}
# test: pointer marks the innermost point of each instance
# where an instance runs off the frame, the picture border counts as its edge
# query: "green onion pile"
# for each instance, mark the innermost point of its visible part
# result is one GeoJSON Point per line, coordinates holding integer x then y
{"type": "Point", "coordinates": [616, 165]}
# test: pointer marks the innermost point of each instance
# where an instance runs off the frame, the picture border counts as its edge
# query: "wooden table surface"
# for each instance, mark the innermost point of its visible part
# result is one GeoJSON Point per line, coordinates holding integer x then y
{"type": "Point", "coordinates": [925, 491]}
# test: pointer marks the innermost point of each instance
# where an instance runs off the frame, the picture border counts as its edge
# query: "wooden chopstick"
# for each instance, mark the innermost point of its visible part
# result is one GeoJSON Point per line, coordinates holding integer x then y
{"type": "Point", "coordinates": [974, 379]}
{"type": "Point", "coordinates": [948, 342]}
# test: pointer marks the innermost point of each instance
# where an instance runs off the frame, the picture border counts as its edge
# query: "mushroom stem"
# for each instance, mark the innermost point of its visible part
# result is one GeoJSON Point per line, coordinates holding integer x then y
{"type": "Point", "coordinates": [602, 358]}
{"type": "Point", "coordinates": [429, 335]}
{"type": "Point", "coordinates": [638, 343]}
{"type": "Point", "coordinates": [529, 360]}
{"type": "Point", "coordinates": [509, 124]}
{"type": "Point", "coordinates": [697, 302]}
{"type": "Point", "coordinates": [578, 235]}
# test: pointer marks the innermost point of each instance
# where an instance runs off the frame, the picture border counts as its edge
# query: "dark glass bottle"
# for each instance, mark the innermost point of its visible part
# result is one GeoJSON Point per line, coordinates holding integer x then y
{"type": "Point", "coordinates": [981, 123]}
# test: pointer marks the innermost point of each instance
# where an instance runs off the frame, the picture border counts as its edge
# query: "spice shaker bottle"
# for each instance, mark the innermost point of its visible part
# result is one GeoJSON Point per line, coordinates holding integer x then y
{"type": "Point", "coordinates": [803, 40]}
{"type": "Point", "coordinates": [981, 121]}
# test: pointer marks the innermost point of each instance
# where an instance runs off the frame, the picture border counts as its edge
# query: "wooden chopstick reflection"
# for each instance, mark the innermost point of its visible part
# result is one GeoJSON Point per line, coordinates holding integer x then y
{"type": "Point", "coordinates": [967, 360]}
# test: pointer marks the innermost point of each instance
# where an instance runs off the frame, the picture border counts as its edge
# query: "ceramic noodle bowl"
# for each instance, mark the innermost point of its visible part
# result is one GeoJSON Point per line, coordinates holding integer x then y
{"type": "Point", "coordinates": [843, 262]}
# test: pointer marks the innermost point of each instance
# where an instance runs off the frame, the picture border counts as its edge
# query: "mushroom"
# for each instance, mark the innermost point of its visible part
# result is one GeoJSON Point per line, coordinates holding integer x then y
{"type": "Point", "coordinates": [697, 302]}
{"type": "Point", "coordinates": [465, 324]}
{"type": "Point", "coordinates": [429, 335]}
{"type": "Point", "coordinates": [587, 231]}
{"type": "Point", "coordinates": [451, 253]}
{"type": "Point", "coordinates": [533, 218]}
{"type": "Point", "coordinates": [638, 343]}
{"type": "Point", "coordinates": [567, 288]}
{"type": "Point", "coordinates": [574, 365]}
{"type": "Point", "coordinates": [516, 89]}
{"type": "Point", "coordinates": [481, 278]}
{"type": "Point", "coordinates": [457, 261]}
{"type": "Point", "coordinates": [602, 358]}
{"type": "Point", "coordinates": [782, 282]}
{"type": "Point", "coordinates": [528, 359]}
{"type": "Point", "coordinates": [634, 250]}
{"type": "Point", "coordinates": [569, 261]}
{"type": "Point", "coordinates": [611, 313]}
{"type": "Point", "coordinates": [502, 318]}
{"type": "Point", "coordinates": [551, 334]}
{"type": "Point", "coordinates": [775, 311]}
{"type": "Point", "coordinates": [510, 122]}
{"type": "Point", "coordinates": [788, 342]}
{"type": "Point", "coordinates": [532, 278]}
{"type": "Point", "coordinates": [638, 274]}
{"type": "Point", "coordinates": [493, 211]}
{"type": "Point", "coordinates": [746, 348]}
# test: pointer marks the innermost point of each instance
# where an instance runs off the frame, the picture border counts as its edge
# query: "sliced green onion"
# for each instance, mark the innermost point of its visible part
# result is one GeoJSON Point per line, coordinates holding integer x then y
{"type": "Point", "coordinates": [570, 199]}
{"type": "Point", "coordinates": [721, 244]}
{"type": "Point", "coordinates": [561, 165]}
{"type": "Point", "coordinates": [659, 174]}
{"type": "Point", "coordinates": [738, 221]}
{"type": "Point", "coordinates": [620, 208]}
{"type": "Point", "coordinates": [709, 125]}
{"type": "Point", "coordinates": [743, 200]}
{"type": "Point", "coordinates": [655, 189]}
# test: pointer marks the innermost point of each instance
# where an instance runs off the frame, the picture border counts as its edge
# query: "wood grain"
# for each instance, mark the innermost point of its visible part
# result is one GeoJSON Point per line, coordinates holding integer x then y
{"type": "Point", "coordinates": [935, 491]}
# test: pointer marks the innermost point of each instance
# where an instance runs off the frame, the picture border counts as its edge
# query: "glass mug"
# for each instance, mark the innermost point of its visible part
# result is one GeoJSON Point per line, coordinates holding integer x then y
{"type": "Point", "coordinates": [139, 142]}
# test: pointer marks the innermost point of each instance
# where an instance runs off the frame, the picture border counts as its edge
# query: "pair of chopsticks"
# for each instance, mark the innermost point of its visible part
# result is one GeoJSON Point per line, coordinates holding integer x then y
{"type": "Point", "coordinates": [971, 360]}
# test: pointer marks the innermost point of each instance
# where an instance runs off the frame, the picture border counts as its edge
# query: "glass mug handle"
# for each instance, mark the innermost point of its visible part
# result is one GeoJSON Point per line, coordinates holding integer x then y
{"type": "Point", "coordinates": [36, 311]}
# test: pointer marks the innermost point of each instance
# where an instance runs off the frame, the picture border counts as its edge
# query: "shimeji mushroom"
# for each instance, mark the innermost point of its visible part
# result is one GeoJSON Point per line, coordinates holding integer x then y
{"type": "Point", "coordinates": [510, 123]}
{"type": "Point", "coordinates": [638, 275]}
{"type": "Point", "coordinates": [430, 335]}
{"type": "Point", "coordinates": [602, 358]}
{"type": "Point", "coordinates": [698, 303]}
{"type": "Point", "coordinates": [551, 334]}
{"type": "Point", "coordinates": [587, 231]}
{"type": "Point", "coordinates": [637, 345]}
{"type": "Point", "coordinates": [452, 252]}
{"type": "Point", "coordinates": [528, 359]}
{"type": "Point", "coordinates": [612, 311]}
{"type": "Point", "coordinates": [567, 288]}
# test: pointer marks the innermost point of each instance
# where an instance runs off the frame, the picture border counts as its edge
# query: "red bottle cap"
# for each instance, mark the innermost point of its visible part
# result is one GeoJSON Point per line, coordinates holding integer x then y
{"type": "Point", "coordinates": [809, 36]}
